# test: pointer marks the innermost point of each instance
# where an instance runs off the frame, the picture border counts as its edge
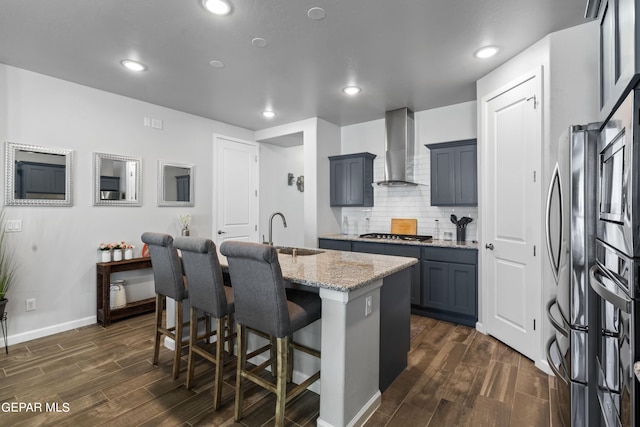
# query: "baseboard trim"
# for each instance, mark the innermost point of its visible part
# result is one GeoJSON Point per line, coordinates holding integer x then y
{"type": "Point", "coordinates": [49, 330]}
{"type": "Point", "coordinates": [363, 414]}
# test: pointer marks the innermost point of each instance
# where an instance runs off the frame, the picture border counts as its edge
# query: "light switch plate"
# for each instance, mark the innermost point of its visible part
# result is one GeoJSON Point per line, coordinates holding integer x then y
{"type": "Point", "coordinates": [13, 225]}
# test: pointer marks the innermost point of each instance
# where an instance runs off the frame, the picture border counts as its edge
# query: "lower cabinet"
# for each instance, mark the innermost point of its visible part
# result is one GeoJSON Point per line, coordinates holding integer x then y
{"type": "Point", "coordinates": [449, 285]}
{"type": "Point", "coordinates": [444, 284]}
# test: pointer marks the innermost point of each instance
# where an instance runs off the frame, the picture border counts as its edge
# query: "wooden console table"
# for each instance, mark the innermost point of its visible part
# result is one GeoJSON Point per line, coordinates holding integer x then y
{"type": "Point", "coordinates": [105, 314]}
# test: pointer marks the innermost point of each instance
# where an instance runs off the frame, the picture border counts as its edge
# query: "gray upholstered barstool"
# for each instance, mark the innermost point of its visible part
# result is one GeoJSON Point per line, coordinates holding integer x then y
{"type": "Point", "coordinates": [169, 282]}
{"type": "Point", "coordinates": [208, 295]}
{"type": "Point", "coordinates": [263, 304]}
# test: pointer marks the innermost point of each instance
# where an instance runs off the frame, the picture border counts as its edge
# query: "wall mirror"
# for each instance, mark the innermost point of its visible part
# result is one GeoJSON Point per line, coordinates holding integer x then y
{"type": "Point", "coordinates": [37, 176]}
{"type": "Point", "coordinates": [175, 184]}
{"type": "Point", "coordinates": [117, 180]}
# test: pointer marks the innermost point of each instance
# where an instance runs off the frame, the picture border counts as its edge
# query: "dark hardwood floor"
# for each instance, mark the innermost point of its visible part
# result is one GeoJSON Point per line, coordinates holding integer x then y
{"type": "Point", "coordinates": [456, 377]}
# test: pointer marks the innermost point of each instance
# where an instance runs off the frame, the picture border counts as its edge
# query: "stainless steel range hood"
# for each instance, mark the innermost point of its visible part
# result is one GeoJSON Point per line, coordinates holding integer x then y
{"type": "Point", "coordinates": [399, 148]}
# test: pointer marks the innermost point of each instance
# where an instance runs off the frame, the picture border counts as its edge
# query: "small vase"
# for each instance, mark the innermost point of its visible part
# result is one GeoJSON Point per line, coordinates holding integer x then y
{"type": "Point", "coordinates": [105, 256]}
{"type": "Point", "coordinates": [117, 254]}
{"type": "Point", "coordinates": [128, 253]}
{"type": "Point", "coordinates": [185, 232]}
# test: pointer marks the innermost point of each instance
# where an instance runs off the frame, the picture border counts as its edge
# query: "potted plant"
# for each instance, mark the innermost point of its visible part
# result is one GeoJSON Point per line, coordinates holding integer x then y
{"type": "Point", "coordinates": [105, 251]}
{"type": "Point", "coordinates": [184, 220]}
{"type": "Point", "coordinates": [7, 266]}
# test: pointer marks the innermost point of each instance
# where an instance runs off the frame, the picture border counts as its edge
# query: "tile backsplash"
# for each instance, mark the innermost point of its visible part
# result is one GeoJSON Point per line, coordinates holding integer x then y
{"type": "Point", "coordinates": [408, 202]}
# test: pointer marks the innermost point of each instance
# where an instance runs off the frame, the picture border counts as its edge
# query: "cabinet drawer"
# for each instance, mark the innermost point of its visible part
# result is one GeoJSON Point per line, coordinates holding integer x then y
{"type": "Point", "coordinates": [457, 255]}
{"type": "Point", "coordinates": [336, 245]}
{"type": "Point", "coordinates": [386, 249]}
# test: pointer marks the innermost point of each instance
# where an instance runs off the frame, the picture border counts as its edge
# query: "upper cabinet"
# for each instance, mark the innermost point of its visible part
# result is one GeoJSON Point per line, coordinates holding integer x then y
{"type": "Point", "coordinates": [351, 177]}
{"type": "Point", "coordinates": [619, 52]}
{"type": "Point", "coordinates": [454, 173]}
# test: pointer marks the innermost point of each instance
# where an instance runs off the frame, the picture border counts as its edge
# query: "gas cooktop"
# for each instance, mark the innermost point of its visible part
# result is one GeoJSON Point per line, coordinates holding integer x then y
{"type": "Point", "coordinates": [388, 236]}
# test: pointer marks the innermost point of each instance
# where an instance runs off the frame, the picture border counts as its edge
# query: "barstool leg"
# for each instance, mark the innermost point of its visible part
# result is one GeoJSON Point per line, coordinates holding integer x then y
{"type": "Point", "coordinates": [193, 341]}
{"type": "Point", "coordinates": [156, 344]}
{"type": "Point", "coordinates": [290, 362]}
{"type": "Point", "coordinates": [281, 379]}
{"type": "Point", "coordinates": [178, 343]}
{"type": "Point", "coordinates": [231, 340]}
{"type": "Point", "coordinates": [220, 339]}
{"type": "Point", "coordinates": [241, 360]}
{"type": "Point", "coordinates": [273, 353]}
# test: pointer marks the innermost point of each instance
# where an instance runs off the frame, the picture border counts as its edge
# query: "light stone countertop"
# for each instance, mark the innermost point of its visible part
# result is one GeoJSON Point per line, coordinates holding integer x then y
{"type": "Point", "coordinates": [434, 242]}
{"type": "Point", "coordinates": [337, 270]}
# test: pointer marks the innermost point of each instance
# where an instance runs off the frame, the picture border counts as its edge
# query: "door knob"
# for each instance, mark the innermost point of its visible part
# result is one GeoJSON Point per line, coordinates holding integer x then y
{"type": "Point", "coordinates": [489, 246]}
{"type": "Point", "coordinates": [222, 232]}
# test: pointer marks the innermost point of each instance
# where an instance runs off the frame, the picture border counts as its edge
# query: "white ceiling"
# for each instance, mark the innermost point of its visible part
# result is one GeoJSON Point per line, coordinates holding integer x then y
{"type": "Point", "coordinates": [413, 53]}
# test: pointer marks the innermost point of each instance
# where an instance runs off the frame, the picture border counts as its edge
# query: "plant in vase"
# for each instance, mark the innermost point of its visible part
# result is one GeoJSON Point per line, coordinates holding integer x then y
{"type": "Point", "coordinates": [184, 220]}
{"type": "Point", "coordinates": [7, 266]}
{"type": "Point", "coordinates": [117, 251]}
{"type": "Point", "coordinates": [105, 251]}
{"type": "Point", "coordinates": [128, 250]}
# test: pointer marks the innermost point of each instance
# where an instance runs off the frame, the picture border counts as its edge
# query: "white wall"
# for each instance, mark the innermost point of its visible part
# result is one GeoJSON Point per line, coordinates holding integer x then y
{"type": "Point", "coordinates": [57, 249]}
{"type": "Point", "coordinates": [451, 123]}
{"type": "Point", "coordinates": [277, 196]}
{"type": "Point", "coordinates": [320, 140]}
{"type": "Point", "coordinates": [570, 93]}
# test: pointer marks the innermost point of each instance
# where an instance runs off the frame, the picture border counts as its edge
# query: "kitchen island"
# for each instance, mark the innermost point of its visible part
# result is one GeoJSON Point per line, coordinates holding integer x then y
{"type": "Point", "coordinates": [444, 284]}
{"type": "Point", "coordinates": [353, 316]}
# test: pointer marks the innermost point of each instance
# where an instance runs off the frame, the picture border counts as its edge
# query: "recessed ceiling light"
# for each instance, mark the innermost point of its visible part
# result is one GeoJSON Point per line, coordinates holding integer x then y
{"type": "Point", "coordinates": [268, 114]}
{"type": "Point", "coordinates": [216, 64]}
{"type": "Point", "coordinates": [351, 90]}
{"type": "Point", "coordinates": [259, 42]}
{"type": "Point", "coordinates": [486, 52]}
{"type": "Point", "coordinates": [316, 13]}
{"type": "Point", "coordinates": [133, 65]}
{"type": "Point", "coordinates": [217, 7]}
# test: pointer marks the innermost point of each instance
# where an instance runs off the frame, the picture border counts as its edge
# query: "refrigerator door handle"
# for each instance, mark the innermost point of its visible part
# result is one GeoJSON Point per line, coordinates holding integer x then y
{"type": "Point", "coordinates": [564, 376]}
{"type": "Point", "coordinates": [554, 253]}
{"type": "Point", "coordinates": [560, 326]}
{"type": "Point", "coordinates": [618, 301]}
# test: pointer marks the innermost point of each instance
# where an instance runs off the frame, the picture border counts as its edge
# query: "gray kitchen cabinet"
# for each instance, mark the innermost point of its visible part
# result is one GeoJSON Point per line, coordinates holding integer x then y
{"type": "Point", "coordinates": [351, 177]}
{"type": "Point", "coordinates": [450, 284]}
{"type": "Point", "coordinates": [336, 245]}
{"type": "Point", "coordinates": [39, 178]}
{"type": "Point", "coordinates": [619, 52]}
{"type": "Point", "coordinates": [396, 250]}
{"type": "Point", "coordinates": [444, 284]}
{"type": "Point", "coordinates": [454, 173]}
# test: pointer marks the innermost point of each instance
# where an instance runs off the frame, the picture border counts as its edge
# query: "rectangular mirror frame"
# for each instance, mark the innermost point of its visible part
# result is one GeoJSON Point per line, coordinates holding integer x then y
{"type": "Point", "coordinates": [161, 200]}
{"type": "Point", "coordinates": [10, 173]}
{"type": "Point", "coordinates": [97, 162]}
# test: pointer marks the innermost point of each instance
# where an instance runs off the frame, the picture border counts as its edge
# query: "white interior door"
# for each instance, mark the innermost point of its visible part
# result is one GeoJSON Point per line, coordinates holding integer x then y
{"type": "Point", "coordinates": [511, 212]}
{"type": "Point", "coordinates": [236, 200]}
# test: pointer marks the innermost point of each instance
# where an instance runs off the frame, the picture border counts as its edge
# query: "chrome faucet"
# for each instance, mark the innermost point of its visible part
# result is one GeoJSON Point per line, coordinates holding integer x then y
{"type": "Point", "coordinates": [284, 221]}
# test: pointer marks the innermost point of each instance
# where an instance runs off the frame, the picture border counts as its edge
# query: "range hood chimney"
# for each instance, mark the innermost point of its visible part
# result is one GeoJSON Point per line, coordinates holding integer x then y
{"type": "Point", "coordinates": [399, 148]}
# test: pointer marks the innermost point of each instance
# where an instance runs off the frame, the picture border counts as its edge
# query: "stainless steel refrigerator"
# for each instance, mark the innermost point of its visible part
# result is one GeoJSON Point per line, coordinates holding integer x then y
{"type": "Point", "coordinates": [570, 232]}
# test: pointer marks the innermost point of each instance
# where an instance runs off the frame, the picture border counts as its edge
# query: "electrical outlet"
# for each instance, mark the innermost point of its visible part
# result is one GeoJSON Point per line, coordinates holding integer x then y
{"type": "Point", "coordinates": [368, 305]}
{"type": "Point", "coordinates": [31, 304]}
